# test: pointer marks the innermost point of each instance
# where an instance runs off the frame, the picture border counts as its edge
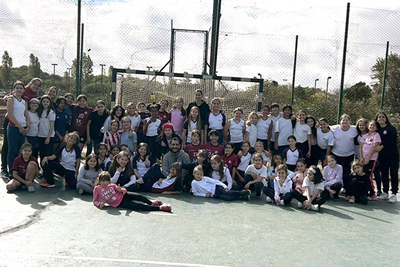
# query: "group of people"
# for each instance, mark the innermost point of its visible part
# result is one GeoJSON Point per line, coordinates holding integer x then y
{"type": "Point", "coordinates": [151, 148]}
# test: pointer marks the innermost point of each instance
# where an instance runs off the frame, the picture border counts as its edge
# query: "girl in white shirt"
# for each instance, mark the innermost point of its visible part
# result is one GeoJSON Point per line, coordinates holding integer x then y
{"type": "Point", "coordinates": [264, 127]}
{"type": "Point", "coordinates": [236, 129]}
{"type": "Point", "coordinates": [251, 129]}
{"type": "Point", "coordinates": [220, 172]}
{"type": "Point", "coordinates": [203, 186]}
{"type": "Point", "coordinates": [244, 156]}
{"type": "Point", "coordinates": [46, 127]}
{"type": "Point", "coordinates": [122, 173]}
{"type": "Point", "coordinates": [31, 135]}
{"type": "Point", "coordinates": [282, 187]}
{"type": "Point", "coordinates": [325, 140]}
{"type": "Point", "coordinates": [302, 132]}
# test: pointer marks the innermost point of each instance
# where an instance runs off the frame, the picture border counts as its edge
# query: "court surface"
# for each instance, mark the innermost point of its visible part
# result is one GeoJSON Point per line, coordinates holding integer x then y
{"type": "Point", "coordinates": [57, 227]}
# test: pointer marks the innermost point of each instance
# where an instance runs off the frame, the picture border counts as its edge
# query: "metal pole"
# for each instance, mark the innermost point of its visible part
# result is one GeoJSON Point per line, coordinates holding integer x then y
{"type": "Point", "coordinates": [81, 65]}
{"type": "Point", "coordinates": [294, 67]}
{"type": "Point", "coordinates": [327, 85]}
{"type": "Point", "coordinates": [78, 48]}
{"type": "Point", "coordinates": [102, 65]}
{"type": "Point", "coordinates": [384, 75]}
{"type": "Point", "coordinates": [54, 71]}
{"type": "Point", "coordinates": [315, 84]}
{"type": "Point", "coordinates": [69, 75]}
{"type": "Point", "coordinates": [172, 48]}
{"type": "Point", "coordinates": [214, 36]}
{"type": "Point", "coordinates": [346, 33]}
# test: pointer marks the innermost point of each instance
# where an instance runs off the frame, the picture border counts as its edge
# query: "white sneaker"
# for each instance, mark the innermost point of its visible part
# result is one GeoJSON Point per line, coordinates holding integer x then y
{"type": "Point", "coordinates": [269, 200]}
{"type": "Point", "coordinates": [80, 191]}
{"type": "Point", "coordinates": [393, 198]}
{"type": "Point", "coordinates": [31, 189]}
{"type": "Point", "coordinates": [282, 202]}
{"type": "Point", "coordinates": [315, 207]}
{"type": "Point", "coordinates": [299, 205]}
{"type": "Point", "coordinates": [384, 196]}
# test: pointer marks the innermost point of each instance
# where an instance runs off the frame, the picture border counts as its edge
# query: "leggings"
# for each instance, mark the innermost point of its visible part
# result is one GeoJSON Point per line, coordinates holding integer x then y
{"type": "Point", "coordinates": [4, 150]}
{"type": "Point", "coordinates": [359, 190]}
{"type": "Point", "coordinates": [54, 166]}
{"type": "Point", "coordinates": [345, 162]}
{"type": "Point", "coordinates": [390, 164]}
{"type": "Point", "coordinates": [317, 201]}
{"type": "Point", "coordinates": [372, 169]}
{"type": "Point", "coordinates": [335, 187]}
{"type": "Point", "coordinates": [230, 195]}
{"type": "Point", "coordinates": [287, 198]}
{"type": "Point", "coordinates": [128, 203]}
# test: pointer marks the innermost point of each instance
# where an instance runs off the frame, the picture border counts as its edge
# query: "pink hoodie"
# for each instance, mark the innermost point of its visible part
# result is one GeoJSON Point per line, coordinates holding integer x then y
{"type": "Point", "coordinates": [298, 180]}
{"type": "Point", "coordinates": [108, 194]}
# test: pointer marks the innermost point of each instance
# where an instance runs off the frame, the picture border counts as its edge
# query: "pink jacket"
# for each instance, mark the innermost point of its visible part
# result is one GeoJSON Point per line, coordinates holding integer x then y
{"type": "Point", "coordinates": [108, 194]}
{"type": "Point", "coordinates": [298, 180]}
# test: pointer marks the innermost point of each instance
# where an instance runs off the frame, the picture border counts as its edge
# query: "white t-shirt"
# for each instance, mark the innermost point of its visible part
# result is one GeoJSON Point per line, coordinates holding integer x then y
{"type": "Point", "coordinates": [135, 121]}
{"type": "Point", "coordinates": [263, 127]}
{"type": "Point", "coordinates": [236, 131]}
{"type": "Point", "coordinates": [244, 162]}
{"type": "Point", "coordinates": [68, 159]}
{"type": "Point", "coordinates": [285, 129]}
{"type": "Point", "coordinates": [34, 126]}
{"type": "Point", "coordinates": [19, 111]}
{"type": "Point", "coordinates": [324, 139]}
{"type": "Point", "coordinates": [252, 130]}
{"type": "Point", "coordinates": [227, 177]}
{"type": "Point", "coordinates": [301, 132]}
{"type": "Point", "coordinates": [262, 172]}
{"type": "Point", "coordinates": [312, 186]}
{"type": "Point", "coordinates": [192, 125]}
{"type": "Point", "coordinates": [152, 128]}
{"type": "Point", "coordinates": [44, 125]}
{"type": "Point", "coordinates": [344, 141]}
{"type": "Point", "coordinates": [215, 122]}
{"type": "Point", "coordinates": [274, 120]}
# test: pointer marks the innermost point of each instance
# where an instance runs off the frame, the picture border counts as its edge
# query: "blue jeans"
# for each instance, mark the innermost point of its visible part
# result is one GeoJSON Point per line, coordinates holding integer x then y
{"type": "Point", "coordinates": [15, 141]}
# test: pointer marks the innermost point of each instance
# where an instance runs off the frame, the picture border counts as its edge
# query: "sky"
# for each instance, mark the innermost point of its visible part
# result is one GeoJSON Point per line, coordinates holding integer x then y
{"type": "Point", "coordinates": [255, 36]}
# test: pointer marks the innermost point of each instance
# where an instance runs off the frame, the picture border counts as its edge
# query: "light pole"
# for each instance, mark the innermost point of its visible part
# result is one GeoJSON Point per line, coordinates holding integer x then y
{"type": "Point", "coordinates": [69, 75]}
{"type": "Point", "coordinates": [315, 84]}
{"type": "Point", "coordinates": [54, 70]}
{"type": "Point", "coordinates": [327, 85]}
{"type": "Point", "coordinates": [148, 69]}
{"type": "Point", "coordinates": [102, 66]}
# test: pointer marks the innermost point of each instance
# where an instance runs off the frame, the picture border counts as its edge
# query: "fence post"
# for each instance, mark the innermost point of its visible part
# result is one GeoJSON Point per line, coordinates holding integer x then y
{"type": "Point", "coordinates": [346, 32]}
{"type": "Point", "coordinates": [294, 67]}
{"type": "Point", "coordinates": [78, 48]}
{"type": "Point", "coordinates": [384, 75]}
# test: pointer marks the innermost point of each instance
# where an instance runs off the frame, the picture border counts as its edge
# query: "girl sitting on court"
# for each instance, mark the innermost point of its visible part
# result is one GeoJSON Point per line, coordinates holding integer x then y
{"type": "Point", "coordinates": [281, 194]}
{"type": "Point", "coordinates": [244, 161]}
{"type": "Point", "coordinates": [88, 174]}
{"type": "Point", "coordinates": [172, 184]}
{"type": "Point", "coordinates": [255, 175]}
{"type": "Point", "coordinates": [220, 172]}
{"type": "Point", "coordinates": [122, 172]}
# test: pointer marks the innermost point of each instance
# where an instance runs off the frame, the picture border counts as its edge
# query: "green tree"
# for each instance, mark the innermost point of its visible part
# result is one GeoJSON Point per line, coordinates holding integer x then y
{"type": "Point", "coordinates": [34, 66]}
{"type": "Point", "coordinates": [357, 92]}
{"type": "Point", "coordinates": [87, 69]}
{"type": "Point", "coordinates": [392, 92]}
{"type": "Point", "coordinates": [6, 66]}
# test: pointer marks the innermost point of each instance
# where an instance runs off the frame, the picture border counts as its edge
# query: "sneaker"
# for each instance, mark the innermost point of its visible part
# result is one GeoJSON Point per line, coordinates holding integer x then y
{"type": "Point", "coordinates": [372, 198]}
{"type": "Point", "coordinates": [315, 207]}
{"type": "Point", "coordinates": [299, 205]}
{"type": "Point", "coordinates": [31, 189]}
{"type": "Point", "coordinates": [166, 207]}
{"type": "Point", "coordinates": [393, 198]}
{"type": "Point", "coordinates": [343, 191]}
{"type": "Point", "coordinates": [248, 192]}
{"type": "Point", "coordinates": [157, 203]}
{"type": "Point", "coordinates": [47, 185]}
{"type": "Point", "coordinates": [282, 202]}
{"type": "Point", "coordinates": [379, 193]}
{"type": "Point", "coordinates": [352, 200]}
{"type": "Point", "coordinates": [80, 191]}
{"type": "Point", "coordinates": [269, 200]}
{"type": "Point", "coordinates": [4, 173]}
{"type": "Point", "coordinates": [384, 196]}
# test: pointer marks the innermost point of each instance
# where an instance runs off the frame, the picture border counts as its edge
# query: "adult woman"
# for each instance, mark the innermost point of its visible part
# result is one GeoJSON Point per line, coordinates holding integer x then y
{"type": "Point", "coordinates": [388, 156]}
{"type": "Point", "coordinates": [344, 148]}
{"type": "Point", "coordinates": [201, 104]}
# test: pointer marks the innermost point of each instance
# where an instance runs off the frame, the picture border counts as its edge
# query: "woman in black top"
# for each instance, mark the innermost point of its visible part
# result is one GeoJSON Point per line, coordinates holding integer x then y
{"type": "Point", "coordinates": [201, 104]}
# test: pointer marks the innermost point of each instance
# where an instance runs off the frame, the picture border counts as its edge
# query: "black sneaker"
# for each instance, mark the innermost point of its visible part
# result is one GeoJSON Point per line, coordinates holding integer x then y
{"type": "Point", "coordinates": [4, 173]}
{"type": "Point", "coordinates": [259, 194]}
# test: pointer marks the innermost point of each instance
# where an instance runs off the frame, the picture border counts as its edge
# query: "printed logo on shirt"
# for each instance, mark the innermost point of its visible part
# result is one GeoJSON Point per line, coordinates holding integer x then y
{"type": "Point", "coordinates": [384, 132]}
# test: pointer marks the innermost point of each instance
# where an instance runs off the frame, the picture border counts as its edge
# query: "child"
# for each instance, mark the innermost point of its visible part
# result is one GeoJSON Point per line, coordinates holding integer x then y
{"type": "Point", "coordinates": [194, 146]}
{"type": "Point", "coordinates": [255, 175]}
{"type": "Point", "coordinates": [152, 128]}
{"type": "Point", "coordinates": [362, 128]}
{"type": "Point", "coordinates": [113, 151]}
{"type": "Point", "coordinates": [213, 147]}
{"type": "Point", "coordinates": [220, 172]}
{"type": "Point", "coordinates": [93, 128]}
{"type": "Point", "coordinates": [163, 114]}
{"type": "Point", "coordinates": [61, 124]}
{"type": "Point", "coordinates": [80, 119]}
{"type": "Point", "coordinates": [68, 164]}
{"type": "Point", "coordinates": [369, 156]}
{"type": "Point", "coordinates": [145, 168]}
{"type": "Point", "coordinates": [128, 136]}
{"type": "Point", "coordinates": [333, 176]}
{"type": "Point", "coordinates": [259, 148]}
{"type": "Point", "coordinates": [112, 137]}
{"type": "Point", "coordinates": [292, 153]}
{"type": "Point", "coordinates": [283, 130]}
{"type": "Point", "coordinates": [102, 155]}
{"type": "Point", "coordinates": [165, 139]}
{"type": "Point", "coordinates": [236, 129]}
{"type": "Point", "coordinates": [192, 123]}
{"type": "Point", "coordinates": [201, 160]}
{"type": "Point", "coordinates": [282, 187]}
{"type": "Point", "coordinates": [216, 120]}
{"type": "Point", "coordinates": [302, 132]}
{"type": "Point", "coordinates": [25, 169]}
{"type": "Point", "coordinates": [178, 116]}
{"type": "Point", "coordinates": [251, 129]}
{"type": "Point", "coordinates": [244, 161]}
{"type": "Point", "coordinates": [18, 126]}
{"type": "Point", "coordinates": [115, 196]}
{"type": "Point", "coordinates": [32, 89]}
{"type": "Point", "coordinates": [275, 116]}
{"type": "Point", "coordinates": [52, 93]}
{"type": "Point", "coordinates": [172, 184]}
{"type": "Point", "coordinates": [314, 156]}
{"type": "Point", "coordinates": [298, 178]}
{"type": "Point", "coordinates": [133, 116]}
{"type": "Point", "coordinates": [142, 111]}
{"type": "Point", "coordinates": [264, 127]}
{"type": "Point", "coordinates": [313, 184]}
{"type": "Point", "coordinates": [203, 186]}
{"type": "Point", "coordinates": [31, 135]}
{"type": "Point", "coordinates": [122, 172]}
{"type": "Point", "coordinates": [230, 160]}
{"type": "Point", "coordinates": [88, 174]}
{"type": "Point", "coordinates": [117, 113]}
{"type": "Point", "coordinates": [69, 105]}
{"type": "Point", "coordinates": [46, 127]}
{"type": "Point", "coordinates": [325, 140]}
{"type": "Point", "coordinates": [359, 184]}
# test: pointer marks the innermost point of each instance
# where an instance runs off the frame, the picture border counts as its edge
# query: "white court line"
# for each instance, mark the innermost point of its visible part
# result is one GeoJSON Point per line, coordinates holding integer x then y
{"type": "Point", "coordinates": [165, 263]}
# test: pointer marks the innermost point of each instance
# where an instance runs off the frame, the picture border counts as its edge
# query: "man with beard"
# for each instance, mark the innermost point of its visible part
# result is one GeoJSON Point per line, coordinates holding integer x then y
{"type": "Point", "coordinates": [175, 154]}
